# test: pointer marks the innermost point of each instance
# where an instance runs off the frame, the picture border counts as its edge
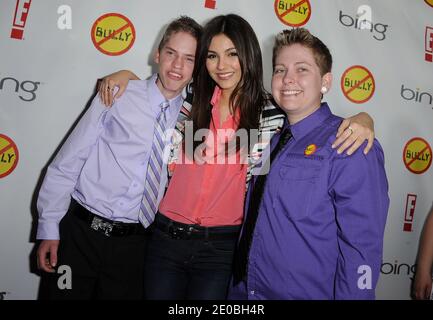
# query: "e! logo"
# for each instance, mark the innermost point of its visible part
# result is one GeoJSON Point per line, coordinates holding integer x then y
{"type": "Point", "coordinates": [210, 4]}
{"type": "Point", "coordinates": [429, 44]}
{"type": "Point", "coordinates": [20, 17]}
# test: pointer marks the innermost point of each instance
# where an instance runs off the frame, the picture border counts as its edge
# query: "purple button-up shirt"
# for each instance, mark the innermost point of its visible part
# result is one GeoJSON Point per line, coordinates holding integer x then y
{"type": "Point", "coordinates": [319, 233]}
{"type": "Point", "coordinates": [103, 162]}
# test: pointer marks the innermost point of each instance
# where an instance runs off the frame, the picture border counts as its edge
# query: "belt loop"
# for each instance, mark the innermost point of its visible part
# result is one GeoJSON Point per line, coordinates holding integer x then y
{"type": "Point", "coordinates": [206, 233]}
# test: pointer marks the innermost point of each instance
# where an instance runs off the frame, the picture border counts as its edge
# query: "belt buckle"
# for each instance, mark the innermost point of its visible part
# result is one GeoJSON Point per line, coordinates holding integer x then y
{"type": "Point", "coordinates": [176, 232]}
{"type": "Point", "coordinates": [102, 226]}
{"type": "Point", "coordinates": [180, 233]}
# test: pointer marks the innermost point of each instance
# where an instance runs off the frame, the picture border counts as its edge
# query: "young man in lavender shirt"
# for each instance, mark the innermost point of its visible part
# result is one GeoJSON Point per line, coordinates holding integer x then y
{"type": "Point", "coordinates": [91, 198]}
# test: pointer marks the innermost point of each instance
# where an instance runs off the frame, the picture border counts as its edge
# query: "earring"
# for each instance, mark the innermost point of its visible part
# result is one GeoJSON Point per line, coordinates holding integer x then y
{"type": "Point", "coordinates": [324, 90]}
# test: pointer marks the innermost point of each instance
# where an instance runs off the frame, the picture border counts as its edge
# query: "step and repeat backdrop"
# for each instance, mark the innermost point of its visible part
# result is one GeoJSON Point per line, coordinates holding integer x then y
{"type": "Point", "coordinates": [53, 51]}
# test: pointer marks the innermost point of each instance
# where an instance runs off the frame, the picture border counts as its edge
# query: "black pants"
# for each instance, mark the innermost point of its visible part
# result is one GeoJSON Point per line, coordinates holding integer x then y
{"type": "Point", "coordinates": [101, 267]}
{"type": "Point", "coordinates": [188, 269]}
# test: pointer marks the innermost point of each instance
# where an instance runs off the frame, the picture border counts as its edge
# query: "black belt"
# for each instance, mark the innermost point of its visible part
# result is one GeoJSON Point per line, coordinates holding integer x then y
{"type": "Point", "coordinates": [184, 231]}
{"type": "Point", "coordinates": [106, 226]}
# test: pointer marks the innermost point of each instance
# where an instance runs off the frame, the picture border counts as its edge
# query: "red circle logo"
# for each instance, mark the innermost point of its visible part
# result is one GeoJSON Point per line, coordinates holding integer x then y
{"type": "Point", "coordinates": [113, 34]}
{"type": "Point", "coordinates": [8, 155]}
{"type": "Point", "coordinates": [294, 13]}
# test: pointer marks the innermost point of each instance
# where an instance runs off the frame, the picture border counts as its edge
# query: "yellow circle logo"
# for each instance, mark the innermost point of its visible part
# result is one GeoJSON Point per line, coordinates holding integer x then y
{"type": "Point", "coordinates": [8, 155]}
{"type": "Point", "coordinates": [310, 149]}
{"type": "Point", "coordinates": [357, 84]}
{"type": "Point", "coordinates": [113, 34]}
{"type": "Point", "coordinates": [429, 2]}
{"type": "Point", "coordinates": [417, 155]}
{"type": "Point", "coordinates": [293, 13]}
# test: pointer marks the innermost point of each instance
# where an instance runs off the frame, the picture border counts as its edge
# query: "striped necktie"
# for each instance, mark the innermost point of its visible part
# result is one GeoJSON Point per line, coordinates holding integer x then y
{"type": "Point", "coordinates": [149, 204]}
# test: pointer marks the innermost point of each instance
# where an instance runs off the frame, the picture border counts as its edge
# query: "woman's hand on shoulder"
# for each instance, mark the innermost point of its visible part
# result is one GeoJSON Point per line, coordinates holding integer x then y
{"type": "Point", "coordinates": [353, 132]}
{"type": "Point", "coordinates": [107, 84]}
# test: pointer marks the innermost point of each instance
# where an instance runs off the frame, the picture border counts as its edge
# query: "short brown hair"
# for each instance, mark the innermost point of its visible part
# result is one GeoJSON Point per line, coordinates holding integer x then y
{"type": "Point", "coordinates": [302, 36]}
{"type": "Point", "coordinates": [181, 24]}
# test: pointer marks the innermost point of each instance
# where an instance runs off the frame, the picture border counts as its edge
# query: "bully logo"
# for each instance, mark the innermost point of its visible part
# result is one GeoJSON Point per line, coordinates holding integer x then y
{"type": "Point", "coordinates": [409, 212]}
{"type": "Point", "coordinates": [417, 155]}
{"type": "Point", "coordinates": [20, 17]}
{"type": "Point", "coordinates": [294, 13]}
{"type": "Point", "coordinates": [113, 34]}
{"type": "Point", "coordinates": [357, 84]}
{"type": "Point", "coordinates": [8, 155]}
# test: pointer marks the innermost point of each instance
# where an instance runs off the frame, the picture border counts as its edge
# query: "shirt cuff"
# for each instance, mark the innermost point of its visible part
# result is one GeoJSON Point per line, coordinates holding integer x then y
{"type": "Point", "coordinates": [48, 231]}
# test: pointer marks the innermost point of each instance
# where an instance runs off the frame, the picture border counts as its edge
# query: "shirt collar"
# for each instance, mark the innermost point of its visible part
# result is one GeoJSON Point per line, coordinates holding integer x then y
{"type": "Point", "coordinates": [215, 102]}
{"type": "Point", "coordinates": [216, 96]}
{"type": "Point", "coordinates": [156, 97]}
{"type": "Point", "coordinates": [306, 125]}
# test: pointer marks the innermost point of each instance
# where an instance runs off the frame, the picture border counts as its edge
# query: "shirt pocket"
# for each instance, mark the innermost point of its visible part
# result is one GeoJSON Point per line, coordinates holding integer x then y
{"type": "Point", "coordinates": [297, 180]}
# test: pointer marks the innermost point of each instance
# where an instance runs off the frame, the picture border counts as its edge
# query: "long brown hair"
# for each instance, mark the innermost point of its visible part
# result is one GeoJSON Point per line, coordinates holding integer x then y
{"type": "Point", "coordinates": [249, 96]}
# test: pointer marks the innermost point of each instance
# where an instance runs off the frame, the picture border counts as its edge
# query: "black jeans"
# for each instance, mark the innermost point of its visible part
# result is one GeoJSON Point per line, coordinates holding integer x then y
{"type": "Point", "coordinates": [188, 269]}
{"type": "Point", "coordinates": [101, 267]}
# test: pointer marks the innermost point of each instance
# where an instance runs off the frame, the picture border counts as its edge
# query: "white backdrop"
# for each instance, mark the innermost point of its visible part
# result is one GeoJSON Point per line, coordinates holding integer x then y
{"type": "Point", "coordinates": [49, 66]}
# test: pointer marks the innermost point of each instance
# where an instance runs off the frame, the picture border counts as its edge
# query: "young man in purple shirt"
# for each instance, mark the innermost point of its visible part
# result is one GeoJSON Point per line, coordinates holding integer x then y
{"type": "Point", "coordinates": [314, 225]}
{"type": "Point", "coordinates": [102, 166]}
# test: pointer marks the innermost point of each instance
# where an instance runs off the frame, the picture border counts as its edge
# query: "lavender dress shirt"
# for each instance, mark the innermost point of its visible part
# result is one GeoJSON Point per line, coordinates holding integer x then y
{"type": "Point", "coordinates": [103, 162]}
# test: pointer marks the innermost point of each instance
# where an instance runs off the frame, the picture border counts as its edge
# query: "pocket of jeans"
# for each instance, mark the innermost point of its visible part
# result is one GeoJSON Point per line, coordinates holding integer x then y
{"type": "Point", "coordinates": [159, 235]}
{"type": "Point", "coordinates": [223, 246]}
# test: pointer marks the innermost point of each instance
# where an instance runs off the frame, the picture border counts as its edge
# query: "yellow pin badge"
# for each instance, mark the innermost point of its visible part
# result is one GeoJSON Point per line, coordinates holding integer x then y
{"type": "Point", "coordinates": [310, 149]}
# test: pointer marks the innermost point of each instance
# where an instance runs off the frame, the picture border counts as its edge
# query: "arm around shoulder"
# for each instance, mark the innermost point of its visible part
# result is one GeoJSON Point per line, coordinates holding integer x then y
{"type": "Point", "coordinates": [118, 79]}
{"type": "Point", "coordinates": [352, 133]}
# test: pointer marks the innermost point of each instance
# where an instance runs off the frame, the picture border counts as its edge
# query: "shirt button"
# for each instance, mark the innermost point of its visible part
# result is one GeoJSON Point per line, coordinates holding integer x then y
{"type": "Point", "coordinates": [134, 185]}
{"type": "Point", "coordinates": [252, 292]}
